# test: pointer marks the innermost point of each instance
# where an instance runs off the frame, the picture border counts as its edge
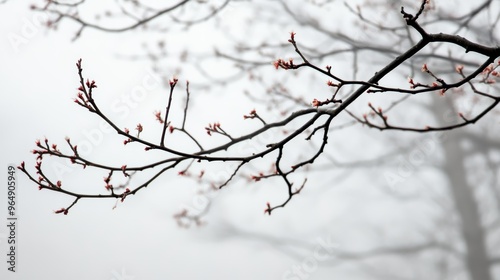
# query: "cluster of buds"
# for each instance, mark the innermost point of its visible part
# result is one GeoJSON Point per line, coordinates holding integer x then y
{"type": "Point", "coordinates": [252, 115]}
{"type": "Point", "coordinates": [79, 64]}
{"type": "Point", "coordinates": [215, 127]}
{"type": "Point", "coordinates": [268, 209]}
{"type": "Point", "coordinates": [379, 112]}
{"type": "Point", "coordinates": [128, 140]}
{"type": "Point", "coordinates": [158, 117]}
{"type": "Point", "coordinates": [330, 83]}
{"type": "Point", "coordinates": [173, 82]}
{"type": "Point", "coordinates": [54, 149]}
{"type": "Point", "coordinates": [82, 96]}
{"type": "Point", "coordinates": [424, 68]}
{"type": "Point", "coordinates": [38, 165]}
{"type": "Point", "coordinates": [81, 100]}
{"type": "Point", "coordinates": [184, 219]}
{"type": "Point", "coordinates": [21, 166]}
{"type": "Point", "coordinates": [124, 170]}
{"type": "Point", "coordinates": [124, 194]}
{"type": "Point", "coordinates": [257, 178]}
{"type": "Point", "coordinates": [490, 71]}
{"type": "Point", "coordinates": [318, 103]}
{"type": "Point", "coordinates": [107, 180]}
{"type": "Point", "coordinates": [74, 148]}
{"type": "Point", "coordinates": [44, 149]}
{"type": "Point", "coordinates": [412, 83]}
{"type": "Point", "coordinates": [284, 64]}
{"type": "Point", "coordinates": [90, 84]}
{"type": "Point", "coordinates": [139, 129]}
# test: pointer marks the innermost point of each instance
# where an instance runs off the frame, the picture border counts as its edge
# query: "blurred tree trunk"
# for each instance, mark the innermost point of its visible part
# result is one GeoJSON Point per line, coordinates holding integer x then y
{"type": "Point", "coordinates": [466, 204]}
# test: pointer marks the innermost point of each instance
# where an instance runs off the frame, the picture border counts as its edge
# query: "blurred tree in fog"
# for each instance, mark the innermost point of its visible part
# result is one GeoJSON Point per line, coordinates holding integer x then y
{"type": "Point", "coordinates": [426, 191]}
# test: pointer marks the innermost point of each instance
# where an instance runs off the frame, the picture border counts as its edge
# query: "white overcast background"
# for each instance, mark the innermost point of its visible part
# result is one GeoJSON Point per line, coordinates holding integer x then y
{"type": "Point", "coordinates": [139, 239]}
